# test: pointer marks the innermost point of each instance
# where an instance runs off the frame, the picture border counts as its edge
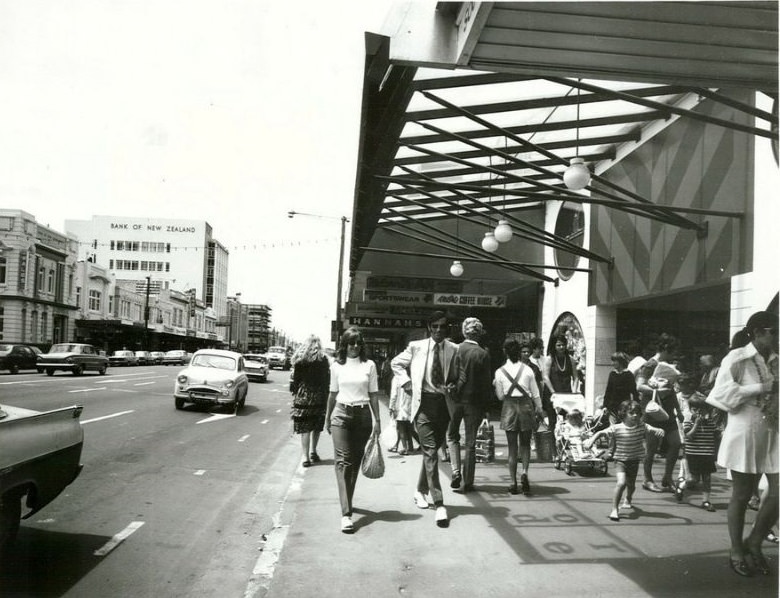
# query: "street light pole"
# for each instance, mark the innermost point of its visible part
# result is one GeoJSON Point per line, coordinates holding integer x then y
{"type": "Point", "coordinates": [339, 288]}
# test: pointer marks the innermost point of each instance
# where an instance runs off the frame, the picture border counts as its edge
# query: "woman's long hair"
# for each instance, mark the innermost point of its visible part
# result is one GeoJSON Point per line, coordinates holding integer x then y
{"type": "Point", "coordinates": [310, 350]}
{"type": "Point", "coordinates": [350, 335]}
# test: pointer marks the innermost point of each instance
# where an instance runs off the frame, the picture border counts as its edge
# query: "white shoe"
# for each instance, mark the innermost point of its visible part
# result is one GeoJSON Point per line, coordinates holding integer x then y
{"type": "Point", "coordinates": [346, 525]}
{"type": "Point", "coordinates": [441, 516]}
{"type": "Point", "coordinates": [626, 505]}
{"type": "Point", "coordinates": [421, 501]}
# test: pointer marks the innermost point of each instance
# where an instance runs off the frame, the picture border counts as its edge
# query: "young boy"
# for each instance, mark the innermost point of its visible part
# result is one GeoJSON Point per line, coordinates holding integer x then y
{"type": "Point", "coordinates": [700, 434]}
{"type": "Point", "coordinates": [628, 437]}
{"type": "Point", "coordinates": [687, 396]}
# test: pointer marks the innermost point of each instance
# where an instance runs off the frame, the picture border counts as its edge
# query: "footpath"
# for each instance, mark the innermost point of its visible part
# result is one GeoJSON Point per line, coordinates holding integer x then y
{"type": "Point", "coordinates": [558, 542]}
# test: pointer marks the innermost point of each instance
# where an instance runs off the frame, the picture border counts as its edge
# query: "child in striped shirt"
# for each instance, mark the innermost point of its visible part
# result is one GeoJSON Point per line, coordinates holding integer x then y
{"type": "Point", "coordinates": [701, 432]}
{"type": "Point", "coordinates": [627, 438]}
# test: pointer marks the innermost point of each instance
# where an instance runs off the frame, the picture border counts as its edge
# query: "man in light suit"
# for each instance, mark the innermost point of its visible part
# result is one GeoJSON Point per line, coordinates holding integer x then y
{"type": "Point", "coordinates": [469, 402]}
{"type": "Point", "coordinates": [427, 368]}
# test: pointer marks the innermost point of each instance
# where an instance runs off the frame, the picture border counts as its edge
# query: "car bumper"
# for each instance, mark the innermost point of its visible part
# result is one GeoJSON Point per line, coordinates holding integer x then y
{"type": "Point", "coordinates": [58, 365]}
{"type": "Point", "coordinates": [256, 375]}
{"type": "Point", "coordinates": [200, 396]}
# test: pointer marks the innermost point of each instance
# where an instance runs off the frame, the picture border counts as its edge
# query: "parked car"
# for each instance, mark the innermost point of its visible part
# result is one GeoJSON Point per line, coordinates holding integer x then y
{"type": "Point", "coordinates": [156, 357]}
{"type": "Point", "coordinates": [15, 357]}
{"type": "Point", "coordinates": [123, 357]}
{"type": "Point", "coordinates": [256, 367]}
{"type": "Point", "coordinates": [175, 357]}
{"type": "Point", "coordinates": [40, 454]}
{"type": "Point", "coordinates": [213, 377]}
{"type": "Point", "coordinates": [72, 357]}
{"type": "Point", "coordinates": [142, 357]}
{"type": "Point", "coordinates": [278, 357]}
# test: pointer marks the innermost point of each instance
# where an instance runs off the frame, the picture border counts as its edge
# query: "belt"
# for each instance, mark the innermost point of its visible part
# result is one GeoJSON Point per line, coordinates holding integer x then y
{"type": "Point", "coordinates": [431, 395]}
{"type": "Point", "coordinates": [354, 405]}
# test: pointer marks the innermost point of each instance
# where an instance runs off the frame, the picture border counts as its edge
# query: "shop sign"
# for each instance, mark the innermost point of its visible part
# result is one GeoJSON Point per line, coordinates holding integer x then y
{"type": "Point", "coordinates": [369, 322]}
{"type": "Point", "coordinates": [396, 297]}
{"type": "Point", "coordinates": [458, 299]}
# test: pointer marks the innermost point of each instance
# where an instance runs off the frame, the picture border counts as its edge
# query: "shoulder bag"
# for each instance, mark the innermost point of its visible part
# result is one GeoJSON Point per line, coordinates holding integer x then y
{"type": "Point", "coordinates": [654, 413]}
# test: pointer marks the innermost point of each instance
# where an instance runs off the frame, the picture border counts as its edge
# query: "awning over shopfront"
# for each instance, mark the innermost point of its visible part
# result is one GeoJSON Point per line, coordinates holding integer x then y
{"type": "Point", "coordinates": [473, 112]}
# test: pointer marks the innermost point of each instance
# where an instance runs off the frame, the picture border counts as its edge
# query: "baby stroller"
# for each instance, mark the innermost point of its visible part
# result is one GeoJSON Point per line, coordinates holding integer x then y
{"type": "Point", "coordinates": [570, 451]}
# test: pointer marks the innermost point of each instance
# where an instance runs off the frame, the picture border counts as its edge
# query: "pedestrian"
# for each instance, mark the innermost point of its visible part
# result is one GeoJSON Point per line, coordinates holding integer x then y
{"type": "Point", "coordinates": [648, 386]}
{"type": "Point", "coordinates": [689, 398]}
{"type": "Point", "coordinates": [545, 388]}
{"type": "Point", "coordinates": [428, 370]}
{"type": "Point", "coordinates": [352, 404]}
{"type": "Point", "coordinates": [309, 387]}
{"type": "Point", "coordinates": [400, 406]}
{"type": "Point", "coordinates": [746, 387]}
{"type": "Point", "coordinates": [700, 433]}
{"type": "Point", "coordinates": [709, 371]}
{"type": "Point", "coordinates": [560, 367]}
{"type": "Point", "coordinates": [468, 402]}
{"type": "Point", "coordinates": [621, 386]}
{"type": "Point", "coordinates": [521, 411]}
{"type": "Point", "coordinates": [627, 438]}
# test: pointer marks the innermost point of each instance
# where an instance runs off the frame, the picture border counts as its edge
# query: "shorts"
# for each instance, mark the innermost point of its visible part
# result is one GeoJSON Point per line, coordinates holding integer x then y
{"type": "Point", "coordinates": [701, 464]}
{"type": "Point", "coordinates": [630, 468]}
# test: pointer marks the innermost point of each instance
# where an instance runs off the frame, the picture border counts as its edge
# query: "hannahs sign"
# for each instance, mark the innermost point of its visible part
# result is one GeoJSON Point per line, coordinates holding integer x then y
{"type": "Point", "coordinates": [367, 322]}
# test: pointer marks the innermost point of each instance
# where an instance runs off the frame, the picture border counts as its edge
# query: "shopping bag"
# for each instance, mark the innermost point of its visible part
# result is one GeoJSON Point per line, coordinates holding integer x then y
{"type": "Point", "coordinates": [486, 442]}
{"type": "Point", "coordinates": [654, 413]}
{"type": "Point", "coordinates": [373, 464]}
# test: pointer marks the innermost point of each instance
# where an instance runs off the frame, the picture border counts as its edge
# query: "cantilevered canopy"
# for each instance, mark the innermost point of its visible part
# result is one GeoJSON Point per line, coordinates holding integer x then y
{"type": "Point", "coordinates": [475, 111]}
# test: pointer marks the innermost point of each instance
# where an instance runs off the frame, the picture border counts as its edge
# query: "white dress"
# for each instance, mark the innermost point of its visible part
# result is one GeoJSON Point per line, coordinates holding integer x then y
{"type": "Point", "coordinates": [750, 441]}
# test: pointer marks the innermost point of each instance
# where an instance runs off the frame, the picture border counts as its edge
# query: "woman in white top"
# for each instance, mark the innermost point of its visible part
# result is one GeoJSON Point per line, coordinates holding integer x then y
{"type": "Point", "coordinates": [521, 409]}
{"type": "Point", "coordinates": [352, 403]}
{"type": "Point", "coordinates": [746, 387]}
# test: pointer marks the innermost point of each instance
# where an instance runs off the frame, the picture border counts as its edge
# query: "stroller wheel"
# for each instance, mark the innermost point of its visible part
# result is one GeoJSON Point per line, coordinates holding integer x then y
{"type": "Point", "coordinates": [603, 468]}
{"type": "Point", "coordinates": [569, 468]}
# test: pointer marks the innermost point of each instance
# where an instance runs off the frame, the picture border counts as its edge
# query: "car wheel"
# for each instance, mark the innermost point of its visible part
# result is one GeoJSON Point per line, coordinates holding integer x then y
{"type": "Point", "coordinates": [77, 370]}
{"type": "Point", "coordinates": [49, 371]}
{"type": "Point", "coordinates": [102, 370]}
{"type": "Point", "coordinates": [178, 402]}
{"type": "Point", "coordinates": [10, 516]}
{"type": "Point", "coordinates": [242, 401]}
{"type": "Point", "coordinates": [14, 369]}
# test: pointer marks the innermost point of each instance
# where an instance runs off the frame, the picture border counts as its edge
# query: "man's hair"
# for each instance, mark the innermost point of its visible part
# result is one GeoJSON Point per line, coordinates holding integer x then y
{"type": "Point", "coordinates": [436, 316]}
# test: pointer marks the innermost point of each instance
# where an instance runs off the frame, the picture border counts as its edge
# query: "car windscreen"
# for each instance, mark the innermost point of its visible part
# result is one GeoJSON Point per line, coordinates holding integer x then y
{"type": "Point", "coordinates": [64, 348]}
{"type": "Point", "coordinates": [221, 362]}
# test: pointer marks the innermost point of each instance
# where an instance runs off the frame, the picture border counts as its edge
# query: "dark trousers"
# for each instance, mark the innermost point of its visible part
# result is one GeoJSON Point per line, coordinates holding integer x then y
{"type": "Point", "coordinates": [471, 416]}
{"type": "Point", "coordinates": [431, 423]}
{"type": "Point", "coordinates": [351, 428]}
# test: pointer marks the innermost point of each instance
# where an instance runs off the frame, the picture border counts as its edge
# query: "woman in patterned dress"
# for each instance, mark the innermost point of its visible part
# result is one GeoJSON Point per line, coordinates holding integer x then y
{"type": "Point", "coordinates": [309, 386]}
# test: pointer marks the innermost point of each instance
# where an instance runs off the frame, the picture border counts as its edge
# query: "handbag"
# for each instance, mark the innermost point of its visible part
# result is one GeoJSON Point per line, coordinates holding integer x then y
{"type": "Point", "coordinates": [653, 410]}
{"type": "Point", "coordinates": [373, 464]}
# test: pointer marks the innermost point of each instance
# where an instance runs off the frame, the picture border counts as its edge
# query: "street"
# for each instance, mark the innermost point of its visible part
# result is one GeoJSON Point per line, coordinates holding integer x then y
{"type": "Point", "coordinates": [169, 503]}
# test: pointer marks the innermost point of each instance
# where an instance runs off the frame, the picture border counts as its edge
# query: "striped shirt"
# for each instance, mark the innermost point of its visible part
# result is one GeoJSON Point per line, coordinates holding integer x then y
{"type": "Point", "coordinates": [702, 442]}
{"type": "Point", "coordinates": [629, 442]}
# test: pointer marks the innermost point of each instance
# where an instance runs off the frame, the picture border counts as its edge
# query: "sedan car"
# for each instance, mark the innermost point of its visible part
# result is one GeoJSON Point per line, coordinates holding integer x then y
{"type": "Point", "coordinates": [123, 358]}
{"type": "Point", "coordinates": [156, 357]}
{"type": "Point", "coordinates": [72, 357]}
{"type": "Point", "coordinates": [214, 377]}
{"type": "Point", "coordinates": [15, 357]}
{"type": "Point", "coordinates": [256, 367]}
{"type": "Point", "coordinates": [142, 357]}
{"type": "Point", "coordinates": [175, 357]}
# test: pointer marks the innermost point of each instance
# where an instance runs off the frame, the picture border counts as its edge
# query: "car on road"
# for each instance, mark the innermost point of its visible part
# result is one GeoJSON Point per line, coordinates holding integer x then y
{"type": "Point", "coordinates": [76, 358]}
{"type": "Point", "coordinates": [278, 357]}
{"type": "Point", "coordinates": [156, 357]}
{"type": "Point", "coordinates": [40, 454]}
{"type": "Point", "coordinates": [142, 357]}
{"type": "Point", "coordinates": [123, 357]}
{"type": "Point", "coordinates": [213, 377]}
{"type": "Point", "coordinates": [256, 367]}
{"type": "Point", "coordinates": [175, 357]}
{"type": "Point", "coordinates": [15, 357]}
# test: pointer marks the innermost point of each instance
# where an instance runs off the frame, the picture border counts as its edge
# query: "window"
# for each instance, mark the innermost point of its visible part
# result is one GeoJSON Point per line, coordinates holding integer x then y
{"type": "Point", "coordinates": [2, 318]}
{"type": "Point", "coordinates": [94, 300]}
{"type": "Point", "coordinates": [44, 325]}
{"type": "Point", "coordinates": [111, 305]}
{"type": "Point", "coordinates": [22, 271]}
{"type": "Point", "coordinates": [3, 262]}
{"type": "Point", "coordinates": [113, 244]}
{"type": "Point", "coordinates": [78, 295]}
{"type": "Point", "coordinates": [50, 282]}
{"type": "Point", "coordinates": [570, 225]}
{"type": "Point", "coordinates": [41, 277]}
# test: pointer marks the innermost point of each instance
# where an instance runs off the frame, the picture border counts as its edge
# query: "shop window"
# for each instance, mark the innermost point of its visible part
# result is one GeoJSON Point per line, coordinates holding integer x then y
{"type": "Point", "coordinates": [3, 262]}
{"type": "Point", "coordinates": [569, 225]}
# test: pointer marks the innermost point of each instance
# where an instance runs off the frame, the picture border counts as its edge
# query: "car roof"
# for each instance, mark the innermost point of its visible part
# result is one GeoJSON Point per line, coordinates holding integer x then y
{"type": "Point", "coordinates": [217, 352]}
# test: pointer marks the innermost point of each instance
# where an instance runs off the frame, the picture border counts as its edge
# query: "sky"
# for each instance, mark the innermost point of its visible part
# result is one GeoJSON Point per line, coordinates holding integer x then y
{"type": "Point", "coordinates": [229, 111]}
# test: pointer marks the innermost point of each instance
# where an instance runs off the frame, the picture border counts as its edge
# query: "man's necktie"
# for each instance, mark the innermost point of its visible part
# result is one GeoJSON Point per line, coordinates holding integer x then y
{"type": "Point", "coordinates": [437, 374]}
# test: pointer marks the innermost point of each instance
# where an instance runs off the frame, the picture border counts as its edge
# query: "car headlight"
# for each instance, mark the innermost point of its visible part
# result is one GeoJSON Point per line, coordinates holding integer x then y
{"type": "Point", "coordinates": [182, 379]}
{"type": "Point", "coordinates": [229, 384]}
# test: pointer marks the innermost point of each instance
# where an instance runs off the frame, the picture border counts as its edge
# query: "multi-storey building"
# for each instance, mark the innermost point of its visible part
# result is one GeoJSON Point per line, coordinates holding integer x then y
{"type": "Point", "coordinates": [37, 273]}
{"type": "Point", "coordinates": [178, 255]}
{"type": "Point", "coordinates": [258, 318]}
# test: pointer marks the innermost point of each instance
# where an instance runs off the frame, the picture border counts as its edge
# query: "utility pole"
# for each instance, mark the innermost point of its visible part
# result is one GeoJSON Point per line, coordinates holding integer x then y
{"type": "Point", "coordinates": [146, 315]}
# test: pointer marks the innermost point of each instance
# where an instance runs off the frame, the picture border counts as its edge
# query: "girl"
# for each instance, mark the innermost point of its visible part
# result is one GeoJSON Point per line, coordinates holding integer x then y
{"type": "Point", "coordinates": [700, 434]}
{"type": "Point", "coordinates": [628, 437]}
{"type": "Point", "coordinates": [309, 387]}
{"type": "Point", "coordinates": [621, 386]}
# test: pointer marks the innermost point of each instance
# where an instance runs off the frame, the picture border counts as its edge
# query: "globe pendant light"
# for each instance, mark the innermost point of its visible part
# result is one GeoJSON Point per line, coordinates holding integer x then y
{"type": "Point", "coordinates": [503, 231]}
{"type": "Point", "coordinates": [489, 243]}
{"type": "Point", "coordinates": [456, 269]}
{"type": "Point", "coordinates": [577, 175]}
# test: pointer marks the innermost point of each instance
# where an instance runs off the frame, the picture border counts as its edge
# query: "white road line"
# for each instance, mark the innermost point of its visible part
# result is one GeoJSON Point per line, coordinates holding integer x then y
{"type": "Point", "coordinates": [199, 472]}
{"type": "Point", "coordinates": [112, 381]}
{"type": "Point", "coordinates": [144, 383]}
{"type": "Point", "coordinates": [244, 437]}
{"type": "Point", "coordinates": [97, 419]}
{"type": "Point", "coordinates": [118, 539]}
{"type": "Point", "coordinates": [87, 389]}
{"type": "Point", "coordinates": [265, 421]}
{"type": "Point", "coordinates": [215, 417]}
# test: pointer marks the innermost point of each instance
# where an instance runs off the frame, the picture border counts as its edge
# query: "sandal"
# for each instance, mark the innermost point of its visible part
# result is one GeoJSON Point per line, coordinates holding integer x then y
{"type": "Point", "coordinates": [740, 566]}
{"type": "Point", "coordinates": [707, 506]}
{"type": "Point", "coordinates": [759, 562]}
{"type": "Point", "coordinates": [314, 458]}
{"type": "Point", "coordinates": [306, 463]}
{"type": "Point", "coordinates": [392, 449]}
{"type": "Point", "coordinates": [513, 489]}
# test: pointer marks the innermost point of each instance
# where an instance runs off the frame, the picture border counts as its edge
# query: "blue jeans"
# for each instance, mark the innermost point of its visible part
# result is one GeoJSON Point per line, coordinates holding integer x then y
{"type": "Point", "coordinates": [351, 428]}
{"type": "Point", "coordinates": [431, 423]}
